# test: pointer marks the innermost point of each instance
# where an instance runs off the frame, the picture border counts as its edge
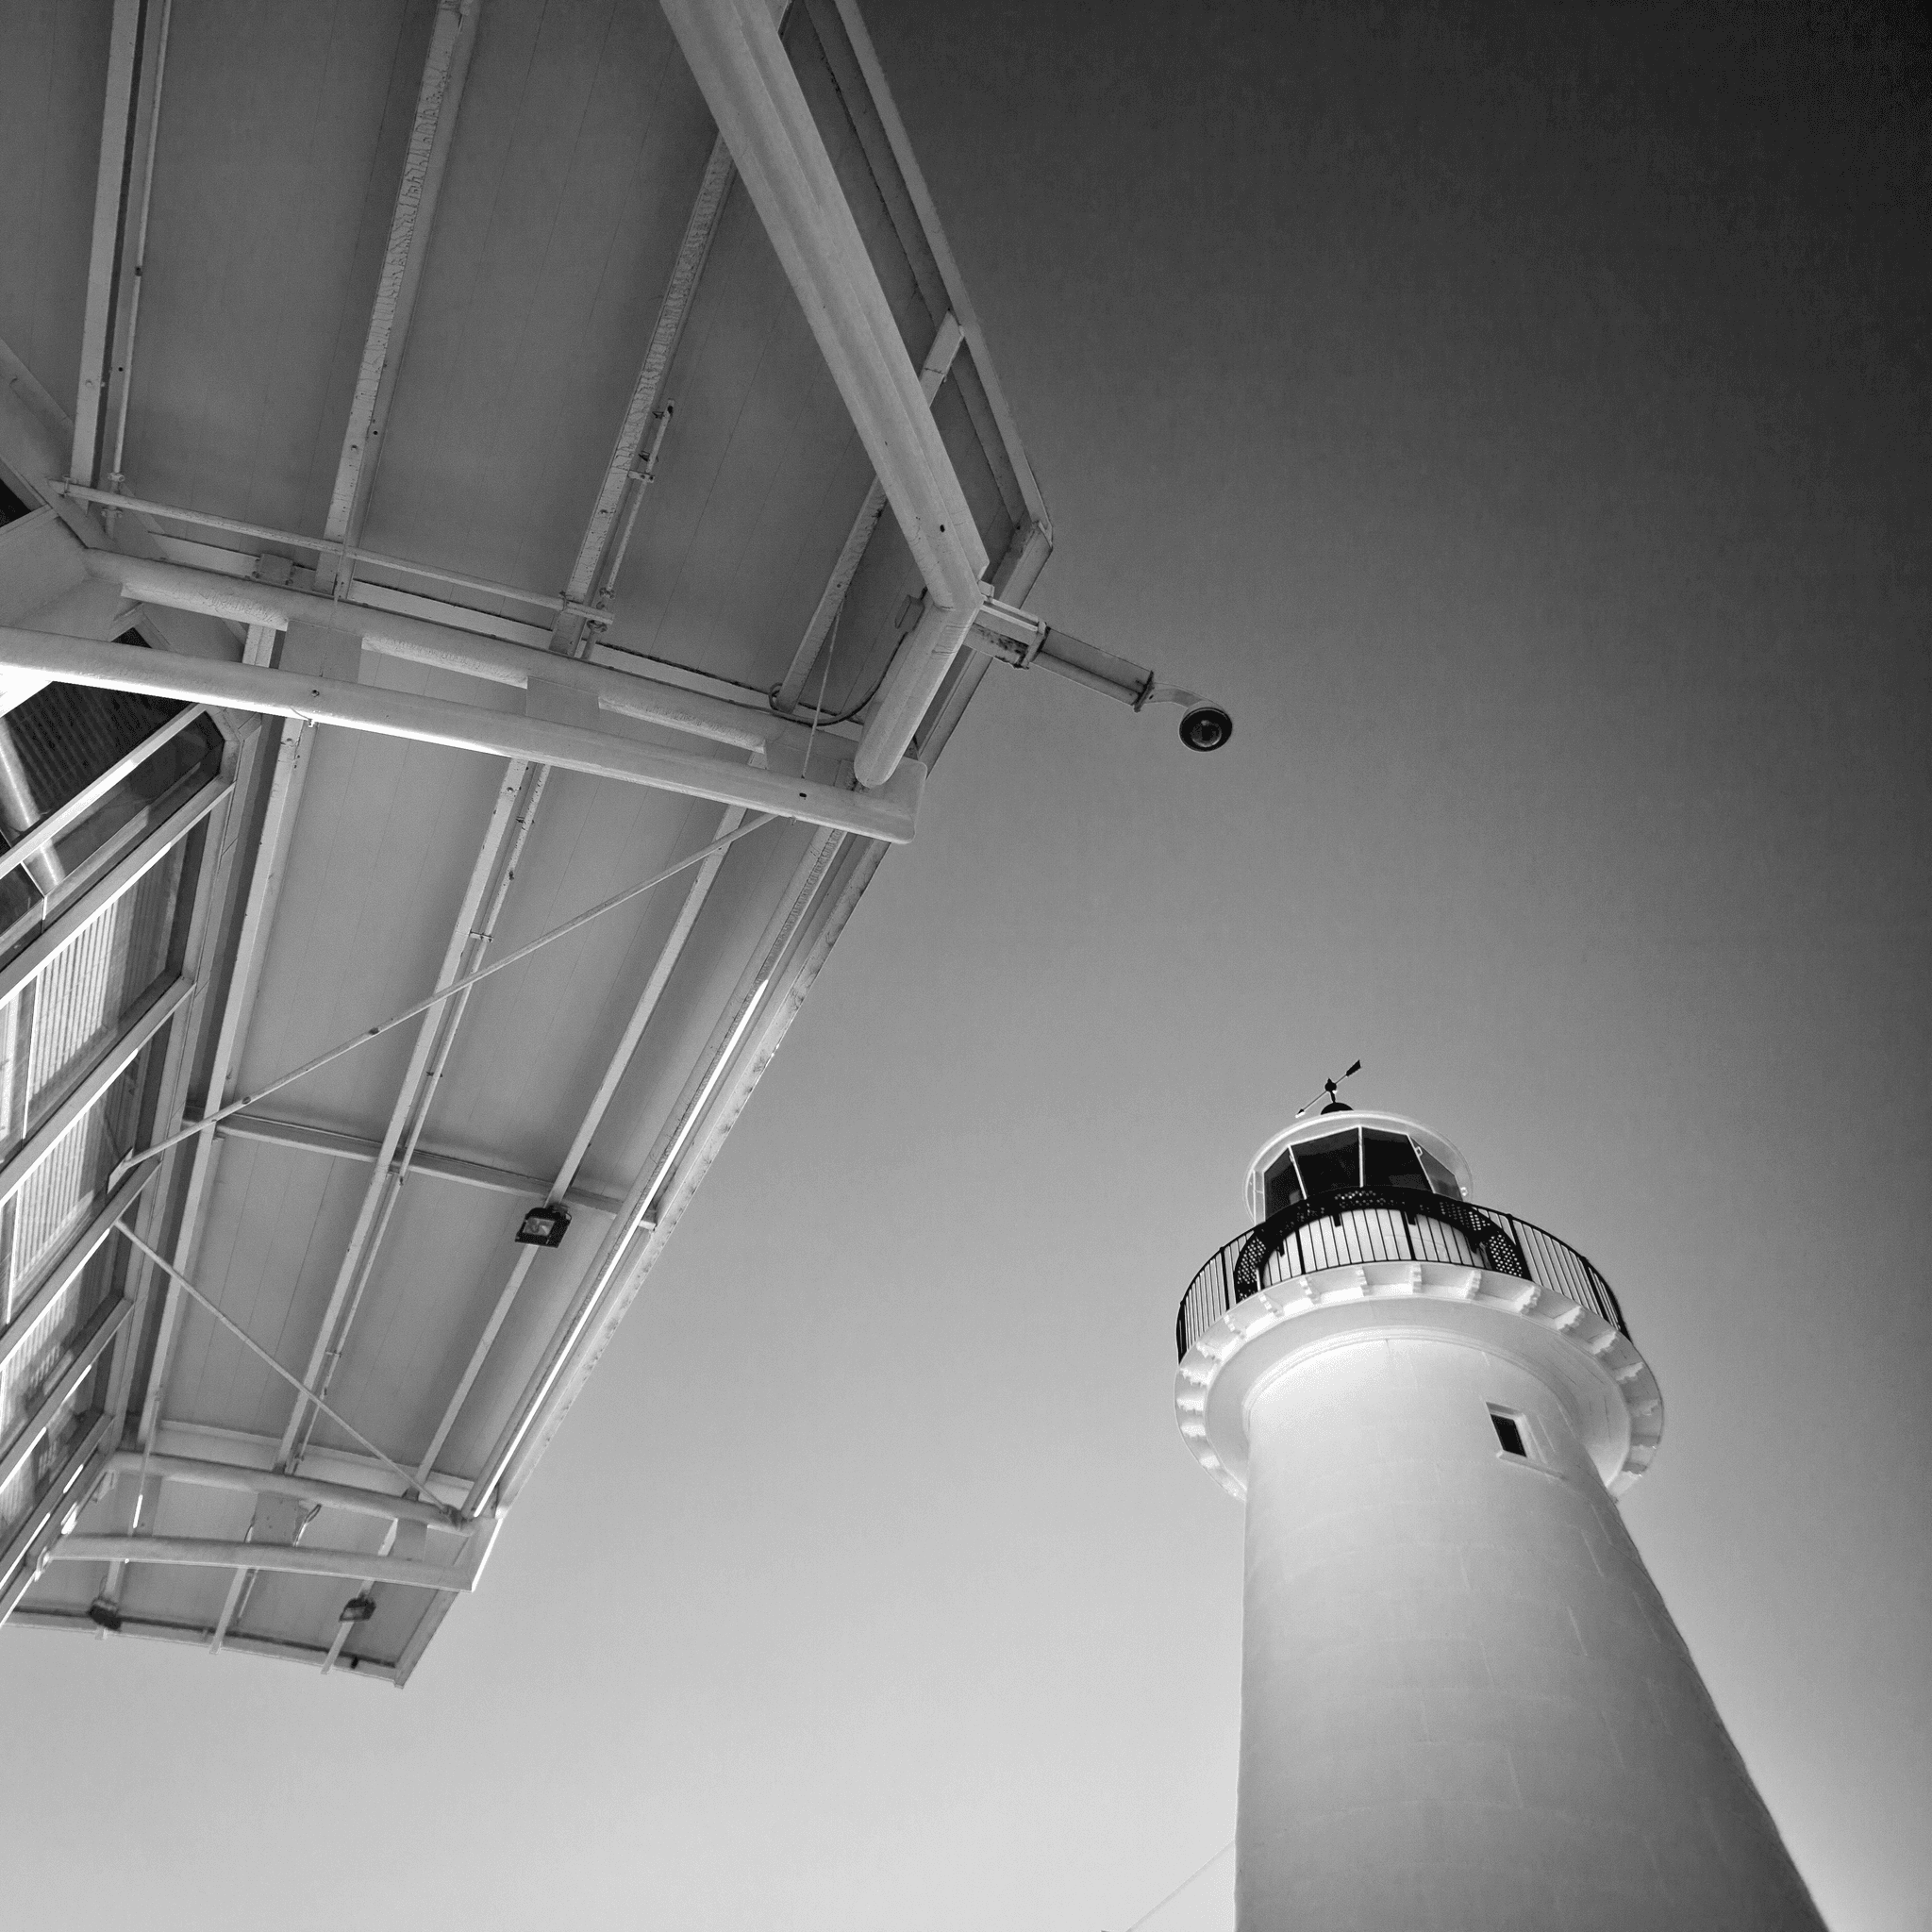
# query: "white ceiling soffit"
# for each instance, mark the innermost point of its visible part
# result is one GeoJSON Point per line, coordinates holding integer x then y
{"type": "Point", "coordinates": [475, 518]}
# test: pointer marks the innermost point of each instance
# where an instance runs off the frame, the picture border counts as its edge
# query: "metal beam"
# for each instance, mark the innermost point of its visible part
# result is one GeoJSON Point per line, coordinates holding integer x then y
{"type": "Point", "coordinates": [272, 1482]}
{"type": "Point", "coordinates": [589, 579]}
{"type": "Point", "coordinates": [562, 1187]}
{"type": "Point", "coordinates": [301, 1138]}
{"type": "Point", "coordinates": [287, 1559]}
{"type": "Point", "coordinates": [946, 346]}
{"type": "Point", "coordinates": [887, 813]}
{"type": "Point", "coordinates": [747, 80]}
{"type": "Point", "coordinates": [419, 641]}
{"type": "Point", "coordinates": [452, 36]}
{"type": "Point", "coordinates": [113, 180]}
{"type": "Point", "coordinates": [747, 1020]}
{"type": "Point", "coordinates": [518, 794]}
{"type": "Point", "coordinates": [264, 889]}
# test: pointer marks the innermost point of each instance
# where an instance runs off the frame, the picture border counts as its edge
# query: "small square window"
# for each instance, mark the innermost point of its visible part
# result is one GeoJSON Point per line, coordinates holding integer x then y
{"type": "Point", "coordinates": [1510, 1433]}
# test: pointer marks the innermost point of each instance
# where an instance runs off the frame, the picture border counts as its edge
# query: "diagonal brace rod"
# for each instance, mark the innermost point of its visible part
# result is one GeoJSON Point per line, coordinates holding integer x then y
{"type": "Point", "coordinates": [255, 1348]}
{"type": "Point", "coordinates": [441, 995]}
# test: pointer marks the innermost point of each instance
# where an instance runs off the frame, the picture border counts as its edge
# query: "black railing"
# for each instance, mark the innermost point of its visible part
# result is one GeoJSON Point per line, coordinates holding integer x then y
{"type": "Point", "coordinates": [1358, 1225]}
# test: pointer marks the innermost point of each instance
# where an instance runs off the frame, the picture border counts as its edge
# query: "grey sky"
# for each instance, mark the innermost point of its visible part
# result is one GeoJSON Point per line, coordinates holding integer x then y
{"type": "Point", "coordinates": [1522, 428]}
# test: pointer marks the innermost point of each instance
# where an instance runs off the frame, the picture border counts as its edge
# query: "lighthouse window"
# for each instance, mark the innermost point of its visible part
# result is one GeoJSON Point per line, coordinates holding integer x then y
{"type": "Point", "coordinates": [1388, 1160]}
{"type": "Point", "coordinates": [1283, 1186]}
{"type": "Point", "coordinates": [1332, 1162]}
{"type": "Point", "coordinates": [1510, 1433]}
{"type": "Point", "coordinates": [1439, 1177]}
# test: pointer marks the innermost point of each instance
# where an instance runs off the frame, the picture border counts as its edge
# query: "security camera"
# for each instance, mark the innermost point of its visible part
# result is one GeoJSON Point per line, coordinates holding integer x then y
{"type": "Point", "coordinates": [1207, 728]}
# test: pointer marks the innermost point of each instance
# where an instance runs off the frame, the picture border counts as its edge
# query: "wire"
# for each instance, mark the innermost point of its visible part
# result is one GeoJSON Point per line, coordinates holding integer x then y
{"type": "Point", "coordinates": [1198, 1872]}
{"type": "Point", "coordinates": [437, 998]}
{"type": "Point", "coordinates": [254, 1347]}
{"type": "Point", "coordinates": [824, 677]}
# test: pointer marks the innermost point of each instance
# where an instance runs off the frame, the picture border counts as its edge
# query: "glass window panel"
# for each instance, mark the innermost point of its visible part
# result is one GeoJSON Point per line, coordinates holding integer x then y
{"type": "Point", "coordinates": [1439, 1177]}
{"type": "Point", "coordinates": [1388, 1160]}
{"type": "Point", "coordinates": [1331, 1162]}
{"type": "Point", "coordinates": [1282, 1188]}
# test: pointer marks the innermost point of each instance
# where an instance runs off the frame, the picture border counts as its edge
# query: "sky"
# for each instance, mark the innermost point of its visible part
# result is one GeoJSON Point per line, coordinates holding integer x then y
{"type": "Point", "coordinates": [1518, 418]}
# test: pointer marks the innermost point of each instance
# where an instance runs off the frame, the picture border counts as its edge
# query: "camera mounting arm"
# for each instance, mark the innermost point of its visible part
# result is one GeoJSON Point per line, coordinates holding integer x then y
{"type": "Point", "coordinates": [1018, 638]}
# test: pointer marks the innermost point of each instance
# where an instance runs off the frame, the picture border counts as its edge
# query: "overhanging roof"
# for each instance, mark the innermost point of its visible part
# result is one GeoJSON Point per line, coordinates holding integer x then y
{"type": "Point", "coordinates": [519, 486]}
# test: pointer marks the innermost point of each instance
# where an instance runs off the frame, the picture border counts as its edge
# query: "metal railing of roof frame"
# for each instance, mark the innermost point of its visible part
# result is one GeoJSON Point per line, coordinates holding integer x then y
{"type": "Point", "coordinates": [1358, 1225]}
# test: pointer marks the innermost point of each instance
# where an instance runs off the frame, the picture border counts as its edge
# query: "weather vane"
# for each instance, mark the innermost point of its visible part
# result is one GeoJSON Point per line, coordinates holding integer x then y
{"type": "Point", "coordinates": [1328, 1088]}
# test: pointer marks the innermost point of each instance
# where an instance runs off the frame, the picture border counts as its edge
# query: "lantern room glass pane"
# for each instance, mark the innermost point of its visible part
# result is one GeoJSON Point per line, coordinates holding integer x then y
{"type": "Point", "coordinates": [1388, 1160]}
{"type": "Point", "coordinates": [1332, 1162]}
{"type": "Point", "coordinates": [1281, 1188]}
{"type": "Point", "coordinates": [1439, 1177]}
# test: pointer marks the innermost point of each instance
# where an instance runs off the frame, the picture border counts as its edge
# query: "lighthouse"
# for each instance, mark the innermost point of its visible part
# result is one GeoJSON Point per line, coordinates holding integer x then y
{"type": "Point", "coordinates": [1464, 1704]}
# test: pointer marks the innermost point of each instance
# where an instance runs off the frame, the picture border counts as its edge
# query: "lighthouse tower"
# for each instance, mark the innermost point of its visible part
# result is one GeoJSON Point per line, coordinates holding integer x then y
{"type": "Point", "coordinates": [1463, 1702]}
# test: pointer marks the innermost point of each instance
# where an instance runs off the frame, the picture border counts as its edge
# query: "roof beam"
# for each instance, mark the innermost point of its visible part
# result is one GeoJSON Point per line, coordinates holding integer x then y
{"type": "Point", "coordinates": [302, 1138]}
{"type": "Point", "coordinates": [271, 1482]}
{"type": "Point", "coordinates": [562, 1188]}
{"type": "Point", "coordinates": [287, 1559]}
{"type": "Point", "coordinates": [452, 36]}
{"type": "Point", "coordinates": [518, 794]}
{"type": "Point", "coordinates": [939, 360]}
{"type": "Point", "coordinates": [589, 579]}
{"type": "Point", "coordinates": [746, 77]}
{"type": "Point", "coordinates": [129, 119]}
{"type": "Point", "coordinates": [888, 813]}
{"type": "Point", "coordinates": [419, 641]}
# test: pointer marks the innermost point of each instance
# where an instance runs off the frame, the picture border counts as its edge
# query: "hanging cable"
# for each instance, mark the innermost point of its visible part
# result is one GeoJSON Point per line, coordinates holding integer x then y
{"type": "Point", "coordinates": [1199, 1872]}
{"type": "Point", "coordinates": [437, 998]}
{"type": "Point", "coordinates": [824, 677]}
{"type": "Point", "coordinates": [254, 1347]}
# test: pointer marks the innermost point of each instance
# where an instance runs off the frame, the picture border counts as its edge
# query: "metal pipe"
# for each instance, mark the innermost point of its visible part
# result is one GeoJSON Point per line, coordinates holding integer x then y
{"type": "Point", "coordinates": [114, 500]}
{"type": "Point", "coordinates": [938, 361]}
{"type": "Point", "coordinates": [288, 1560]}
{"type": "Point", "coordinates": [421, 640]}
{"type": "Point", "coordinates": [273, 1482]}
{"type": "Point", "coordinates": [755, 96]}
{"type": "Point", "coordinates": [888, 813]}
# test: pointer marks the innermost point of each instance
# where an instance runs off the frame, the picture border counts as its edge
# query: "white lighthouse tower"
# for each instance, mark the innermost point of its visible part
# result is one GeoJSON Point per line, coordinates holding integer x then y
{"type": "Point", "coordinates": [1463, 1702]}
